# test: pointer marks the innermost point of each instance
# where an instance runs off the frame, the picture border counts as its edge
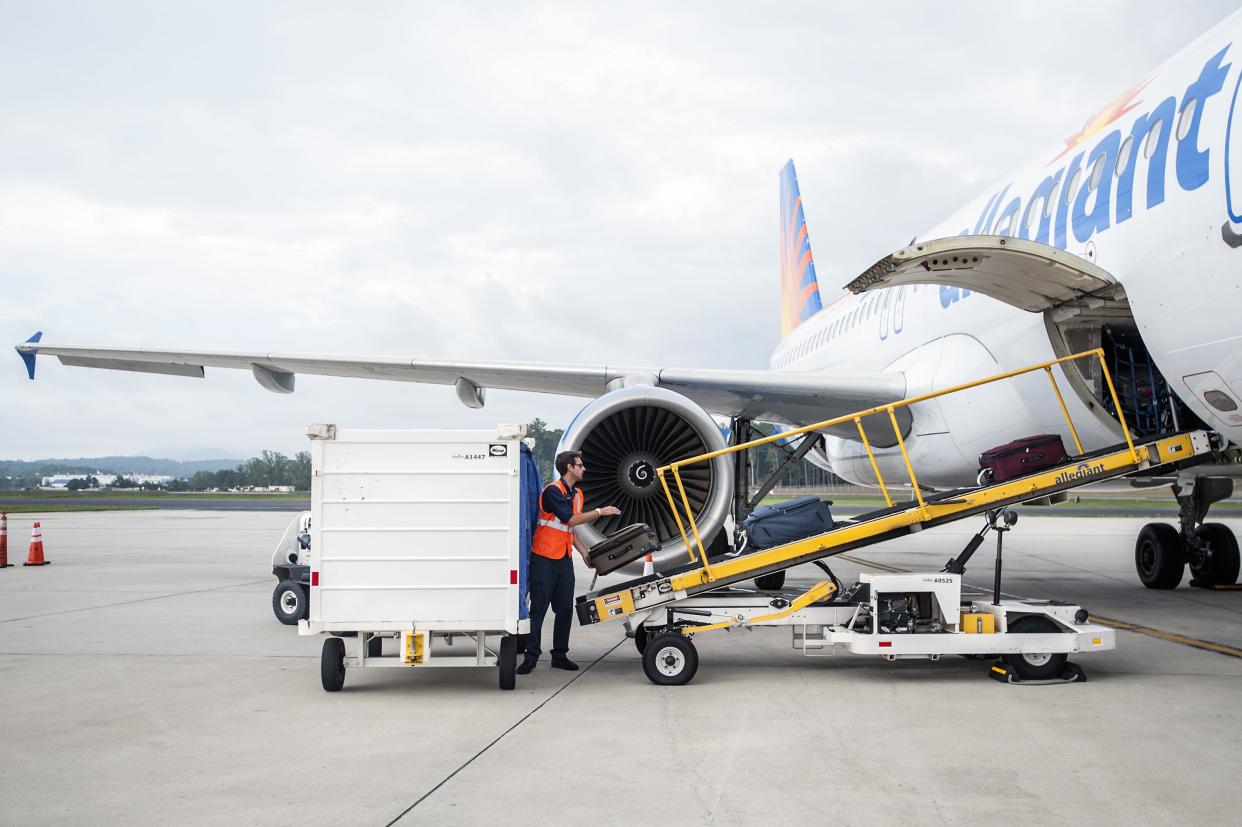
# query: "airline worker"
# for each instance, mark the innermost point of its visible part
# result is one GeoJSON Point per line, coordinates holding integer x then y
{"type": "Point", "coordinates": [551, 573]}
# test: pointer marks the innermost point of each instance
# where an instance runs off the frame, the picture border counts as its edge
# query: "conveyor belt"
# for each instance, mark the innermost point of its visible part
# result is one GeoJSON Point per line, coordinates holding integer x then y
{"type": "Point", "coordinates": [661, 588]}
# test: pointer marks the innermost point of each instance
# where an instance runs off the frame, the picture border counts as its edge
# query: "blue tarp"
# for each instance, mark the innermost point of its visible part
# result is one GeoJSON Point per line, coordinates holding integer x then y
{"type": "Point", "coordinates": [532, 487]}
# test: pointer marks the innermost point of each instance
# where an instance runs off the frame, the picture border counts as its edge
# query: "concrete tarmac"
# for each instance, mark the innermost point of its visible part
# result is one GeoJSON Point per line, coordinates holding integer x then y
{"type": "Point", "coordinates": [143, 679]}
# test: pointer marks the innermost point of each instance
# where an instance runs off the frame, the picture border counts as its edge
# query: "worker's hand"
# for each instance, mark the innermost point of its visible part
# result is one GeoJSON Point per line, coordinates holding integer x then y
{"type": "Point", "coordinates": [610, 511]}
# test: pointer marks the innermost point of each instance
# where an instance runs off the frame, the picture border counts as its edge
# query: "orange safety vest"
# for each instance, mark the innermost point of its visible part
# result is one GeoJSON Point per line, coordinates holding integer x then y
{"type": "Point", "coordinates": [554, 539]}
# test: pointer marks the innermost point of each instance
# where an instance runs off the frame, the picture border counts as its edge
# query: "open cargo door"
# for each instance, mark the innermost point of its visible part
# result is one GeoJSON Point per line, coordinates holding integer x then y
{"type": "Point", "coordinates": [1026, 274]}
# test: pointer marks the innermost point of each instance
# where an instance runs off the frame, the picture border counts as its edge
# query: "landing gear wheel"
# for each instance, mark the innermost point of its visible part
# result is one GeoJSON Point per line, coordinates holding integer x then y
{"type": "Point", "coordinates": [332, 664]}
{"type": "Point", "coordinates": [289, 602]}
{"type": "Point", "coordinates": [670, 659]}
{"type": "Point", "coordinates": [641, 638]}
{"type": "Point", "coordinates": [375, 646]}
{"type": "Point", "coordinates": [1222, 567]}
{"type": "Point", "coordinates": [1159, 556]}
{"type": "Point", "coordinates": [770, 582]}
{"type": "Point", "coordinates": [508, 662]}
{"type": "Point", "coordinates": [1036, 666]}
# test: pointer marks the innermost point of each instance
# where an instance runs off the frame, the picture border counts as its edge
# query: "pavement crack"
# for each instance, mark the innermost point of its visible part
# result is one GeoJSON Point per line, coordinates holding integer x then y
{"type": "Point", "coordinates": [499, 737]}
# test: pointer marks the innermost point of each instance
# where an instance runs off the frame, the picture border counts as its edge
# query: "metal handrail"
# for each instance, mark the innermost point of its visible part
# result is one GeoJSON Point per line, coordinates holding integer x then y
{"type": "Point", "coordinates": [857, 417]}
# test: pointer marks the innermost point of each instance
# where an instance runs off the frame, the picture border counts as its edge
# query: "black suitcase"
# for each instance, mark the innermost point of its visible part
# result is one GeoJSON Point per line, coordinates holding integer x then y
{"type": "Point", "coordinates": [621, 547]}
{"type": "Point", "coordinates": [1021, 457]}
{"type": "Point", "coordinates": [775, 525]}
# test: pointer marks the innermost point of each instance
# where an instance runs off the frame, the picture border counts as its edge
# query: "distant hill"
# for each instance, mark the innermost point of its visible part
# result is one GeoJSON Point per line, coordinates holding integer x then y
{"type": "Point", "coordinates": [114, 465]}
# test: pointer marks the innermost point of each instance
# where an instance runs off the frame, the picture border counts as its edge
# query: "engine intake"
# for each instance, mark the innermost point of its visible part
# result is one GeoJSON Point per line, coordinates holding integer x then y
{"type": "Point", "coordinates": [624, 436]}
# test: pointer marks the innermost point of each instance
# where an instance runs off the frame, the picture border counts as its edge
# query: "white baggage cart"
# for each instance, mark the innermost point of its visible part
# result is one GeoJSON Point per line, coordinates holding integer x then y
{"type": "Point", "coordinates": [415, 557]}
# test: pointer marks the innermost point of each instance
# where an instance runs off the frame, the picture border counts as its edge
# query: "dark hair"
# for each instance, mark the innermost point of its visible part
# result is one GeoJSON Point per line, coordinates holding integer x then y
{"type": "Point", "coordinates": [565, 459]}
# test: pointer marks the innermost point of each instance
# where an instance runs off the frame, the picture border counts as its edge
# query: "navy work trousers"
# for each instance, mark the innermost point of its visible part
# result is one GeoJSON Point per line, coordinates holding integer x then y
{"type": "Point", "coordinates": [551, 584]}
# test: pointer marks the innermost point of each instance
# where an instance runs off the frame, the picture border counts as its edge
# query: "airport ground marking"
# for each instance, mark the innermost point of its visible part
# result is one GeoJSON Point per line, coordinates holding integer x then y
{"type": "Point", "coordinates": [1159, 634]}
{"type": "Point", "coordinates": [498, 738]}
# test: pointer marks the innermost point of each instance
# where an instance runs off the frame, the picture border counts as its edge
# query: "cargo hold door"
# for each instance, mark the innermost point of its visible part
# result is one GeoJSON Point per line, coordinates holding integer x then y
{"type": "Point", "coordinates": [1025, 274]}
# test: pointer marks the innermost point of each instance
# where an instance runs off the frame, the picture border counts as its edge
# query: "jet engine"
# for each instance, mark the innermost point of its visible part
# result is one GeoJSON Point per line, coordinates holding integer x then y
{"type": "Point", "coordinates": [624, 436]}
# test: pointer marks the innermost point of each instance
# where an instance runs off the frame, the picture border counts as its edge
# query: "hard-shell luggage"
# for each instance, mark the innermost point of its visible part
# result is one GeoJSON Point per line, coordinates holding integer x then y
{"type": "Point", "coordinates": [774, 525]}
{"type": "Point", "coordinates": [621, 547]}
{"type": "Point", "coordinates": [1021, 457]}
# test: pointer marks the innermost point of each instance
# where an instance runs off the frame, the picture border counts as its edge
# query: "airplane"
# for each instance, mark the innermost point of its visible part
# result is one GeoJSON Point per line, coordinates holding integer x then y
{"type": "Point", "coordinates": [1126, 236]}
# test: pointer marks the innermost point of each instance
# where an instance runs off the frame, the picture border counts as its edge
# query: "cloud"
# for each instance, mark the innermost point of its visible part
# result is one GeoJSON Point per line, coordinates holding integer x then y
{"type": "Point", "coordinates": [536, 183]}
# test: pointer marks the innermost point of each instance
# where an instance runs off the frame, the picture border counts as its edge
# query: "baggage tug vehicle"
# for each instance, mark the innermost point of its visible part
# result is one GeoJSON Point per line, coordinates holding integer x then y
{"type": "Point", "coordinates": [893, 615]}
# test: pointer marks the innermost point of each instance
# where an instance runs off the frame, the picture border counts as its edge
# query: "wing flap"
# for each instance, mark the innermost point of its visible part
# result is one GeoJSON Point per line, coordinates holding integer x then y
{"type": "Point", "coordinates": [793, 399]}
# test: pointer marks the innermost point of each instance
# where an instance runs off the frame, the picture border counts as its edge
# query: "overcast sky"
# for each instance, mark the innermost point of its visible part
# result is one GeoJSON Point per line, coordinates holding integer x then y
{"type": "Point", "coordinates": [542, 182]}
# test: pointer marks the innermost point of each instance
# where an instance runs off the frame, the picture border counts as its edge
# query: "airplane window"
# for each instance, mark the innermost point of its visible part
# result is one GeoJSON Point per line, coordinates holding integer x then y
{"type": "Point", "coordinates": [1051, 199]}
{"type": "Point", "coordinates": [1153, 136]}
{"type": "Point", "coordinates": [1072, 185]}
{"type": "Point", "coordinates": [1032, 218]}
{"type": "Point", "coordinates": [1183, 120]}
{"type": "Point", "coordinates": [1123, 159]}
{"type": "Point", "coordinates": [1097, 172]}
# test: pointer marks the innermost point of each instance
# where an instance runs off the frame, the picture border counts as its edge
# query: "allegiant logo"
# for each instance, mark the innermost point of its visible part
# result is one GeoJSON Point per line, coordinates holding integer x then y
{"type": "Point", "coordinates": [1082, 472]}
{"type": "Point", "coordinates": [1080, 198]}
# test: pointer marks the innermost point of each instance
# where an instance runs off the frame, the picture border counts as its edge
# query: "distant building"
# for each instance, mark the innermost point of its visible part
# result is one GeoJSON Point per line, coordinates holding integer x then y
{"type": "Point", "coordinates": [60, 482]}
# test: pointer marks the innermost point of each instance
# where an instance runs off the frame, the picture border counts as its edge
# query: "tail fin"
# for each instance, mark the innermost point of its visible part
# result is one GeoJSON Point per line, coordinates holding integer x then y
{"type": "Point", "coordinates": [799, 287]}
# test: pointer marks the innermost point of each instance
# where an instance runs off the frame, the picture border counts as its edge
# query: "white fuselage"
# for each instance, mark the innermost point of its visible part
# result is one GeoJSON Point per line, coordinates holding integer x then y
{"type": "Point", "coordinates": [1151, 191]}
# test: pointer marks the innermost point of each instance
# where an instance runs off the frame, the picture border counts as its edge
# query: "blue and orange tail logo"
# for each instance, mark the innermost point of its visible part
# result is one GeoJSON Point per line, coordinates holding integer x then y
{"type": "Point", "coordinates": [799, 287]}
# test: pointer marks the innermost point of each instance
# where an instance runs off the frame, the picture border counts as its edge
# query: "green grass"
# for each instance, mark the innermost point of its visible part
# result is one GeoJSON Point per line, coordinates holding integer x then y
{"type": "Point", "coordinates": [36, 508]}
{"type": "Point", "coordinates": [7, 496]}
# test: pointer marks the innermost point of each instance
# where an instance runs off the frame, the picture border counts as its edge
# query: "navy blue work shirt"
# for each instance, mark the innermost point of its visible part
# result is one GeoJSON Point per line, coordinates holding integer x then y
{"type": "Point", "coordinates": [554, 502]}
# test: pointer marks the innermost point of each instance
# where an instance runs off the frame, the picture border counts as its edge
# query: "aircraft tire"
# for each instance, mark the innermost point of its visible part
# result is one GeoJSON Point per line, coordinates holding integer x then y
{"type": "Point", "coordinates": [289, 602]}
{"type": "Point", "coordinates": [507, 662]}
{"type": "Point", "coordinates": [1222, 567]}
{"type": "Point", "coordinates": [1159, 556]}
{"type": "Point", "coordinates": [1036, 666]}
{"type": "Point", "coordinates": [670, 659]}
{"type": "Point", "coordinates": [770, 582]}
{"type": "Point", "coordinates": [332, 664]}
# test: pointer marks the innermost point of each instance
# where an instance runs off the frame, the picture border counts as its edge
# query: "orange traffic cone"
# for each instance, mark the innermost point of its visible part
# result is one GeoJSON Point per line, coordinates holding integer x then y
{"type": "Point", "coordinates": [35, 558]}
{"type": "Point", "coordinates": [648, 566]}
{"type": "Point", "coordinates": [4, 541]}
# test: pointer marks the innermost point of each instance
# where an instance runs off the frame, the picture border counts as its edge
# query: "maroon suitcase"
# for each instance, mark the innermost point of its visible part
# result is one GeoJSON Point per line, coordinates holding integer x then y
{"type": "Point", "coordinates": [1021, 457]}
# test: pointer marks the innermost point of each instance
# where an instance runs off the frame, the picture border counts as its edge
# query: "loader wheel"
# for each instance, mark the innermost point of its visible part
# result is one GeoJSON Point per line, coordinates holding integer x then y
{"type": "Point", "coordinates": [508, 662]}
{"type": "Point", "coordinates": [332, 664]}
{"type": "Point", "coordinates": [1159, 556]}
{"type": "Point", "coordinates": [1222, 567]}
{"type": "Point", "coordinates": [670, 659]}
{"type": "Point", "coordinates": [289, 602]}
{"type": "Point", "coordinates": [1036, 666]}
{"type": "Point", "coordinates": [770, 582]}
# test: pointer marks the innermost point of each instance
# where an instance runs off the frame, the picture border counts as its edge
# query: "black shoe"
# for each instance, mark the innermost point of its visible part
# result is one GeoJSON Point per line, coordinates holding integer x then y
{"type": "Point", "coordinates": [566, 664]}
{"type": "Point", "coordinates": [525, 666]}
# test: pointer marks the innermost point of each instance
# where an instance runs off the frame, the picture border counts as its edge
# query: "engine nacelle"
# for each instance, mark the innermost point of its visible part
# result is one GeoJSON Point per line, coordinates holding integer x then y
{"type": "Point", "coordinates": [624, 436]}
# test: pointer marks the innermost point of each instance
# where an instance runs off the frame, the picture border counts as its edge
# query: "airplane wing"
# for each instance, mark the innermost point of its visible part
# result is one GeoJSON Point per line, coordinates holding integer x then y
{"type": "Point", "coordinates": [755, 394]}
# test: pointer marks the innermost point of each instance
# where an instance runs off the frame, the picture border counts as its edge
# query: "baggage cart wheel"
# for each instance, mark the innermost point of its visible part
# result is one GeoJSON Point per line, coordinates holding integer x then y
{"type": "Point", "coordinates": [508, 662]}
{"type": "Point", "coordinates": [1036, 666]}
{"type": "Point", "coordinates": [1159, 556]}
{"type": "Point", "coordinates": [770, 582]}
{"type": "Point", "coordinates": [332, 664]}
{"type": "Point", "coordinates": [641, 638]}
{"type": "Point", "coordinates": [1222, 567]}
{"type": "Point", "coordinates": [670, 659]}
{"type": "Point", "coordinates": [289, 602]}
